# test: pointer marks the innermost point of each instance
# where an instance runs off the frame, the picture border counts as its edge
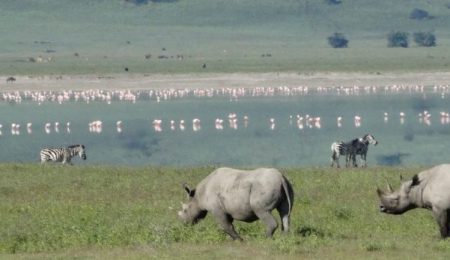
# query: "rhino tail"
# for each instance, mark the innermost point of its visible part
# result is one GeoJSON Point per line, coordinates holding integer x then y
{"type": "Point", "coordinates": [288, 192]}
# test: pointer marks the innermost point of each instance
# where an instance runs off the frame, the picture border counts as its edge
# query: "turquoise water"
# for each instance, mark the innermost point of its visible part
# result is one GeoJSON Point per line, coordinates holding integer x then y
{"type": "Point", "coordinates": [407, 143]}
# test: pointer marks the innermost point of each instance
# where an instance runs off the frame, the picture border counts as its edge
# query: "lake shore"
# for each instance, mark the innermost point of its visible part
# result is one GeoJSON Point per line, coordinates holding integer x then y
{"type": "Point", "coordinates": [220, 80]}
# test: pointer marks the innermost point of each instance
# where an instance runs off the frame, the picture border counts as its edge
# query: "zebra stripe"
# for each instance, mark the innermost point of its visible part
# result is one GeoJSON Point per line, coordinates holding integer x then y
{"type": "Point", "coordinates": [63, 155]}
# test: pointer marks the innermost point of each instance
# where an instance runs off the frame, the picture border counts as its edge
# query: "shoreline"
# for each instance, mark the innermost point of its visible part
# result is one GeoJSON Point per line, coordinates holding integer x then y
{"type": "Point", "coordinates": [220, 80]}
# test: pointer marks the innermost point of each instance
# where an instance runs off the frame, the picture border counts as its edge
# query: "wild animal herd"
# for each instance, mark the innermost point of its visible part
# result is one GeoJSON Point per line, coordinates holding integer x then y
{"type": "Point", "coordinates": [248, 195]}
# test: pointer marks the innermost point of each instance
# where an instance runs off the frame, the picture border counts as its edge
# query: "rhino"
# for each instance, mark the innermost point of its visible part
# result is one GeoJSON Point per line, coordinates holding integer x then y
{"type": "Point", "coordinates": [232, 194]}
{"type": "Point", "coordinates": [430, 189]}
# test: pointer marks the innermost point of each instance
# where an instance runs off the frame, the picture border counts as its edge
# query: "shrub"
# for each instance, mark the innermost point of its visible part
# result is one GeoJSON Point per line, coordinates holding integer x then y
{"type": "Point", "coordinates": [333, 2]}
{"type": "Point", "coordinates": [398, 39]}
{"type": "Point", "coordinates": [144, 2]}
{"type": "Point", "coordinates": [419, 14]}
{"type": "Point", "coordinates": [338, 40]}
{"type": "Point", "coordinates": [425, 39]}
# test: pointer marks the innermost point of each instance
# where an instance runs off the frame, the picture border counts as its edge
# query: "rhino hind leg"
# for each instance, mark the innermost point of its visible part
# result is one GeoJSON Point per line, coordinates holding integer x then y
{"type": "Point", "coordinates": [269, 220]}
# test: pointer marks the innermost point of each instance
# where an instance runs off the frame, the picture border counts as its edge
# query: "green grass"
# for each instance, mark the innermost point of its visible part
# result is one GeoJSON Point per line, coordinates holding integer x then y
{"type": "Point", "coordinates": [108, 212]}
{"type": "Point", "coordinates": [229, 36]}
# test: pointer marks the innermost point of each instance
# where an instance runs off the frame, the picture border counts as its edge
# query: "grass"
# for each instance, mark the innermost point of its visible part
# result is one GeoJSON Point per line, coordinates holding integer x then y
{"type": "Point", "coordinates": [109, 212]}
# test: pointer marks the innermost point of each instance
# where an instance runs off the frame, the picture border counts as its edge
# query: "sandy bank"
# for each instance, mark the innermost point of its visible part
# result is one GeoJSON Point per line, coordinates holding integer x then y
{"type": "Point", "coordinates": [248, 80]}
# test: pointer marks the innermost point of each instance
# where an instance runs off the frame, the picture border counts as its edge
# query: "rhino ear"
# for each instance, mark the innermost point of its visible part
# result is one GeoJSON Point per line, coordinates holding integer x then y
{"type": "Point", "coordinates": [186, 188]}
{"type": "Point", "coordinates": [415, 180]}
{"type": "Point", "coordinates": [190, 192]}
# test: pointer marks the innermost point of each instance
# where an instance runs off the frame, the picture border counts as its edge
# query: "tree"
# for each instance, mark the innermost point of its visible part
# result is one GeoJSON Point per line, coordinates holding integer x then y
{"type": "Point", "coordinates": [338, 40]}
{"type": "Point", "coordinates": [398, 39]}
{"type": "Point", "coordinates": [425, 39]}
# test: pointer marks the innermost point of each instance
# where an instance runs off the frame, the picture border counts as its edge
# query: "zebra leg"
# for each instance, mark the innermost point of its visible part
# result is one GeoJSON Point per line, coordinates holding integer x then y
{"type": "Point", "coordinates": [363, 158]}
{"type": "Point", "coordinates": [354, 161]}
{"type": "Point", "coordinates": [335, 159]}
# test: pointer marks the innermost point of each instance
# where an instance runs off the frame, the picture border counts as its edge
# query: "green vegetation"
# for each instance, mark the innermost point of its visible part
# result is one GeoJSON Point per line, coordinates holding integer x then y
{"type": "Point", "coordinates": [398, 39]}
{"type": "Point", "coordinates": [425, 39]}
{"type": "Point", "coordinates": [337, 40]}
{"type": "Point", "coordinates": [107, 36]}
{"type": "Point", "coordinates": [107, 212]}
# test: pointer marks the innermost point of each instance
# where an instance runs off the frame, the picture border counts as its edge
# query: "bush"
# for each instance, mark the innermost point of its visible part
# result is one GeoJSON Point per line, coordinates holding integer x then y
{"type": "Point", "coordinates": [398, 39]}
{"type": "Point", "coordinates": [144, 2]}
{"type": "Point", "coordinates": [338, 40]}
{"type": "Point", "coordinates": [419, 14]}
{"type": "Point", "coordinates": [425, 39]}
{"type": "Point", "coordinates": [333, 2]}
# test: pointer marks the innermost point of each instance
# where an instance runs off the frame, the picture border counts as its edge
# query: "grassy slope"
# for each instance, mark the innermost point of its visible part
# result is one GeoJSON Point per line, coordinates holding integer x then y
{"type": "Point", "coordinates": [229, 36]}
{"type": "Point", "coordinates": [53, 211]}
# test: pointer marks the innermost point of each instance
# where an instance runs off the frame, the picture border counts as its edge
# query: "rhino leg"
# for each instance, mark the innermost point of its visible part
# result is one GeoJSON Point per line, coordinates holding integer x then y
{"type": "Point", "coordinates": [269, 220]}
{"type": "Point", "coordinates": [226, 223]}
{"type": "Point", "coordinates": [441, 217]}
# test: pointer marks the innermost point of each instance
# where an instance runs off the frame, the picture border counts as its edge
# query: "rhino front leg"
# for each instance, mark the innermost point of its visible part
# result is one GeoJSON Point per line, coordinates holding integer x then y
{"type": "Point", "coordinates": [226, 223]}
{"type": "Point", "coordinates": [441, 217]}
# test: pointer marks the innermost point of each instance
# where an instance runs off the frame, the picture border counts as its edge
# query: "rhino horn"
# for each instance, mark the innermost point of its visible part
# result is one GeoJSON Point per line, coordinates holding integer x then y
{"type": "Point", "coordinates": [389, 187]}
{"type": "Point", "coordinates": [380, 192]}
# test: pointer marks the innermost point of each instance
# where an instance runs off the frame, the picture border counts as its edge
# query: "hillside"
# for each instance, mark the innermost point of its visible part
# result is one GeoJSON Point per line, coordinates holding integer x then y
{"type": "Point", "coordinates": [107, 36]}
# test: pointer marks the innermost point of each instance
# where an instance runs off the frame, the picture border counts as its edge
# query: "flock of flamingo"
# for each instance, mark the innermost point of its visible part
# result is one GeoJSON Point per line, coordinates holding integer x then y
{"type": "Point", "coordinates": [233, 94]}
{"type": "Point", "coordinates": [299, 121]}
{"type": "Point", "coordinates": [159, 95]}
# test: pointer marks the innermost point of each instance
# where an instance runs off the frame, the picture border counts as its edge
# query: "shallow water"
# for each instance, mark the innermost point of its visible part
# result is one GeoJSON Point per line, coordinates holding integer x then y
{"type": "Point", "coordinates": [257, 144]}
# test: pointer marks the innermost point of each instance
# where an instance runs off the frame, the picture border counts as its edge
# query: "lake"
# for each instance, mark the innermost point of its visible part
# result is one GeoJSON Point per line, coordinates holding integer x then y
{"type": "Point", "coordinates": [280, 127]}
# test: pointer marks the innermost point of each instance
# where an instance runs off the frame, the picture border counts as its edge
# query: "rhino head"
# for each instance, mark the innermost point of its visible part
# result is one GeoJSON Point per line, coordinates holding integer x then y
{"type": "Point", "coordinates": [190, 212]}
{"type": "Point", "coordinates": [399, 201]}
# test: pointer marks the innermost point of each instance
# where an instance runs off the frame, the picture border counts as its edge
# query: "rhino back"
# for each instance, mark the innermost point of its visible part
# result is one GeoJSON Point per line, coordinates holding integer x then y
{"type": "Point", "coordinates": [240, 192]}
{"type": "Point", "coordinates": [435, 185]}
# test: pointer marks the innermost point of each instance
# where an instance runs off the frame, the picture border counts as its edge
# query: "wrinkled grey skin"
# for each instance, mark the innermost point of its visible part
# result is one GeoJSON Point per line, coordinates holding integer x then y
{"type": "Point", "coordinates": [429, 189]}
{"type": "Point", "coordinates": [231, 194]}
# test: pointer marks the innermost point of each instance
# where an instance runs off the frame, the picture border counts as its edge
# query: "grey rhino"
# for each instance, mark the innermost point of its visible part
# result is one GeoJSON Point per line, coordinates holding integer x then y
{"type": "Point", "coordinates": [430, 189]}
{"type": "Point", "coordinates": [231, 194]}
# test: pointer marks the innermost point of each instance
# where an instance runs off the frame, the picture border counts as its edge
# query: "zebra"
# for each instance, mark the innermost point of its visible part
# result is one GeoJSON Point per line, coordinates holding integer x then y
{"type": "Point", "coordinates": [362, 147]}
{"type": "Point", "coordinates": [351, 149]}
{"type": "Point", "coordinates": [64, 154]}
{"type": "Point", "coordinates": [342, 148]}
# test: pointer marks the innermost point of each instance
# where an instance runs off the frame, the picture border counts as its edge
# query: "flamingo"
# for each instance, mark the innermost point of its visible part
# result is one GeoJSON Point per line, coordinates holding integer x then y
{"type": "Point", "coordinates": [29, 130]}
{"type": "Point", "coordinates": [119, 126]}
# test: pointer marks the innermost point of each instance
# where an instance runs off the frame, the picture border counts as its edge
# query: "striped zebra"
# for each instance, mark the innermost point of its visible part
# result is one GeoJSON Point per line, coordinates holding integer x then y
{"type": "Point", "coordinates": [358, 146]}
{"type": "Point", "coordinates": [64, 154]}
{"type": "Point", "coordinates": [362, 147]}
